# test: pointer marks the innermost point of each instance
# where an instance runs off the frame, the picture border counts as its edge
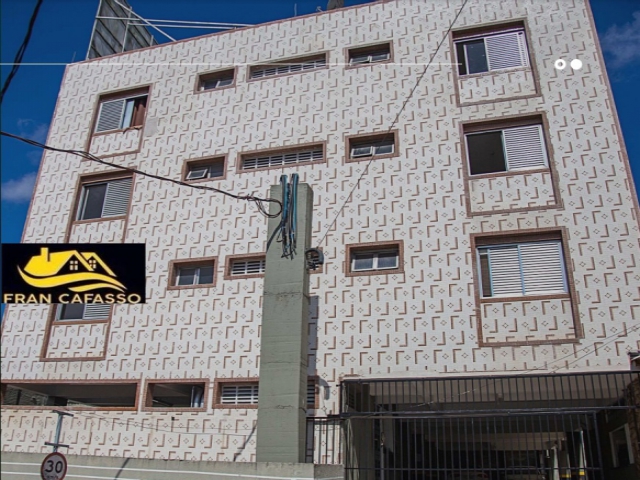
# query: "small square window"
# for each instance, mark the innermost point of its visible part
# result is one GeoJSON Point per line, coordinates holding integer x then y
{"type": "Point", "coordinates": [216, 80]}
{"type": "Point", "coordinates": [192, 273]}
{"type": "Point", "coordinates": [245, 266]}
{"type": "Point", "coordinates": [363, 147]}
{"type": "Point", "coordinates": [236, 393]}
{"type": "Point", "coordinates": [369, 54]}
{"type": "Point", "coordinates": [375, 258]}
{"type": "Point", "coordinates": [491, 51]}
{"type": "Point", "coordinates": [199, 170]}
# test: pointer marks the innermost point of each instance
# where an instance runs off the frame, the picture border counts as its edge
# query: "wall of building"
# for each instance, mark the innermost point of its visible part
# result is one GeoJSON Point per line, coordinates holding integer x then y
{"type": "Point", "coordinates": [425, 320]}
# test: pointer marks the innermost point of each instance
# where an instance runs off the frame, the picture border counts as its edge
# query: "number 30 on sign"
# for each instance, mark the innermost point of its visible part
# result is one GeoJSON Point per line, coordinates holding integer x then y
{"type": "Point", "coordinates": [54, 467]}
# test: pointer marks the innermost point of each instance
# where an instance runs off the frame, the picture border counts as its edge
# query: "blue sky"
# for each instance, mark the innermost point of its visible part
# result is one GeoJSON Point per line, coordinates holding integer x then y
{"type": "Point", "coordinates": [62, 32]}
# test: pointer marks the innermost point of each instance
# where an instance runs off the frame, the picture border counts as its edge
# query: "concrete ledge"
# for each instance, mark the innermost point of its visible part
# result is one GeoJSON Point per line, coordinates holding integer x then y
{"type": "Point", "coordinates": [20, 466]}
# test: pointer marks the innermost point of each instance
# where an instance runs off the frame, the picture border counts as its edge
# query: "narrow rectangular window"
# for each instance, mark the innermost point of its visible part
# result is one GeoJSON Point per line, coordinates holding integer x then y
{"type": "Point", "coordinates": [374, 260]}
{"type": "Point", "coordinates": [175, 395]}
{"type": "Point", "coordinates": [370, 54]}
{"type": "Point", "coordinates": [199, 170]}
{"type": "Point", "coordinates": [288, 66]}
{"type": "Point", "coordinates": [245, 394]}
{"type": "Point", "coordinates": [215, 80]}
{"type": "Point", "coordinates": [81, 311]}
{"type": "Point", "coordinates": [286, 157]}
{"type": "Point", "coordinates": [200, 275]}
{"type": "Point", "coordinates": [372, 146]}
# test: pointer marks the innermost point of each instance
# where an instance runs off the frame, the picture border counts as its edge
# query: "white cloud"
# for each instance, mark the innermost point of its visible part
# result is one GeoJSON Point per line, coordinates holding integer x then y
{"type": "Point", "coordinates": [19, 190]}
{"type": "Point", "coordinates": [622, 43]}
{"type": "Point", "coordinates": [33, 130]}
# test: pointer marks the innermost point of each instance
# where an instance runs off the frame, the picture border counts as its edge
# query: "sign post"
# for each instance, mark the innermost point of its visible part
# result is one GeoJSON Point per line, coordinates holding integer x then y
{"type": "Point", "coordinates": [54, 466]}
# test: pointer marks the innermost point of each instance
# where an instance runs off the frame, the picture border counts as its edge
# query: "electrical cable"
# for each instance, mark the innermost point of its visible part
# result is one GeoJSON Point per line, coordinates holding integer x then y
{"type": "Point", "coordinates": [257, 200]}
{"type": "Point", "coordinates": [21, 51]}
{"type": "Point", "coordinates": [388, 133]}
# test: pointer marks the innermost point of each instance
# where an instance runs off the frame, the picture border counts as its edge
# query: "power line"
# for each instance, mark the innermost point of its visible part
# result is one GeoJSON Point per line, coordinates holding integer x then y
{"type": "Point", "coordinates": [257, 200]}
{"type": "Point", "coordinates": [21, 50]}
{"type": "Point", "coordinates": [388, 133]}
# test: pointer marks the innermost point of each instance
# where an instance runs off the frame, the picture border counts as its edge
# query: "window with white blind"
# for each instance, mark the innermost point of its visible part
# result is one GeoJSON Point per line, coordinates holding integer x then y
{"type": "Point", "coordinates": [513, 270]}
{"type": "Point", "coordinates": [240, 394]}
{"type": "Point", "coordinates": [491, 52]}
{"type": "Point", "coordinates": [213, 168]}
{"type": "Point", "coordinates": [81, 311]}
{"type": "Point", "coordinates": [508, 149]}
{"type": "Point", "coordinates": [247, 266]}
{"type": "Point", "coordinates": [370, 54]}
{"type": "Point", "coordinates": [121, 113]}
{"type": "Point", "coordinates": [278, 159]}
{"type": "Point", "coordinates": [291, 66]}
{"type": "Point", "coordinates": [105, 199]}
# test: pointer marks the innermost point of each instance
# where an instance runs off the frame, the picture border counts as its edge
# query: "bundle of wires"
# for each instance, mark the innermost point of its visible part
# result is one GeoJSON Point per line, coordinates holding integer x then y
{"type": "Point", "coordinates": [288, 223]}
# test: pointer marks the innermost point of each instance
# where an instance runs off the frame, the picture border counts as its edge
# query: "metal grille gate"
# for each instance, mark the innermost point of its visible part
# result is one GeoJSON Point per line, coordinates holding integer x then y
{"type": "Point", "coordinates": [533, 427]}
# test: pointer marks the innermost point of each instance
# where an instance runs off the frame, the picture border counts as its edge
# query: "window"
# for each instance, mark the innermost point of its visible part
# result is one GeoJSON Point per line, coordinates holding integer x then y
{"type": "Point", "coordinates": [212, 168]}
{"type": "Point", "coordinates": [247, 266]}
{"type": "Point", "coordinates": [311, 394]}
{"type": "Point", "coordinates": [371, 54]}
{"type": "Point", "coordinates": [290, 66]}
{"type": "Point", "coordinates": [492, 51]}
{"type": "Point", "coordinates": [105, 199]}
{"type": "Point", "coordinates": [313, 153]}
{"type": "Point", "coordinates": [518, 269]}
{"type": "Point", "coordinates": [121, 113]}
{"type": "Point", "coordinates": [202, 275]}
{"type": "Point", "coordinates": [240, 394]}
{"type": "Point", "coordinates": [374, 258]}
{"type": "Point", "coordinates": [176, 395]}
{"type": "Point", "coordinates": [621, 449]}
{"type": "Point", "coordinates": [81, 311]}
{"type": "Point", "coordinates": [211, 81]}
{"type": "Point", "coordinates": [70, 394]}
{"type": "Point", "coordinates": [507, 149]}
{"type": "Point", "coordinates": [363, 147]}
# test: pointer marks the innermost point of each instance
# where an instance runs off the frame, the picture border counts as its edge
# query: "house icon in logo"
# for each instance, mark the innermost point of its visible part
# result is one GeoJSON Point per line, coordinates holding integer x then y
{"type": "Point", "coordinates": [80, 271]}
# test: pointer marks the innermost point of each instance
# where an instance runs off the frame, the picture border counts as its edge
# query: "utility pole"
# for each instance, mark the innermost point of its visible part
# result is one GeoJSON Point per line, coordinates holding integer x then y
{"type": "Point", "coordinates": [281, 433]}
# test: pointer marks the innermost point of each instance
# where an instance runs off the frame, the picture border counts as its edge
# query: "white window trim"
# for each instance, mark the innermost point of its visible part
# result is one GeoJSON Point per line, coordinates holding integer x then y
{"type": "Point", "coordinates": [375, 254]}
{"type": "Point", "coordinates": [196, 275]}
{"type": "Point", "coordinates": [523, 292]}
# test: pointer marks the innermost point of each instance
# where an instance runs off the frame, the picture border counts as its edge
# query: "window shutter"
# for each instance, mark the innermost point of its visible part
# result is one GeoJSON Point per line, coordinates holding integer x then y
{"type": "Point", "coordinates": [505, 271]}
{"type": "Point", "coordinates": [96, 311]}
{"type": "Point", "coordinates": [247, 267]}
{"type": "Point", "coordinates": [507, 50]}
{"type": "Point", "coordinates": [117, 198]}
{"type": "Point", "coordinates": [311, 395]}
{"type": "Point", "coordinates": [542, 267]}
{"type": "Point", "coordinates": [239, 394]}
{"type": "Point", "coordinates": [525, 147]}
{"type": "Point", "coordinates": [110, 117]}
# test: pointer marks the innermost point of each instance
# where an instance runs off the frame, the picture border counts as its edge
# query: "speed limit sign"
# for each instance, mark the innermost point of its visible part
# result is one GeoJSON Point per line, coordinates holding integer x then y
{"type": "Point", "coordinates": [54, 467]}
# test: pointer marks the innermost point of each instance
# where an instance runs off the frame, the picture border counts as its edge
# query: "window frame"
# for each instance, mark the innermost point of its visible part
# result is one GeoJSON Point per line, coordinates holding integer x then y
{"type": "Point", "coordinates": [359, 140]}
{"type": "Point", "coordinates": [202, 162]}
{"type": "Point", "coordinates": [201, 78]}
{"type": "Point", "coordinates": [220, 384]}
{"type": "Point", "coordinates": [87, 181]}
{"type": "Point", "coordinates": [268, 152]}
{"type": "Point", "coordinates": [374, 248]}
{"type": "Point", "coordinates": [175, 265]}
{"type": "Point", "coordinates": [148, 399]}
{"type": "Point", "coordinates": [501, 124]}
{"type": "Point", "coordinates": [129, 94]}
{"type": "Point", "coordinates": [614, 456]}
{"type": "Point", "coordinates": [231, 259]}
{"type": "Point", "coordinates": [368, 50]}
{"type": "Point", "coordinates": [57, 314]}
{"type": "Point", "coordinates": [463, 37]}
{"type": "Point", "coordinates": [291, 61]}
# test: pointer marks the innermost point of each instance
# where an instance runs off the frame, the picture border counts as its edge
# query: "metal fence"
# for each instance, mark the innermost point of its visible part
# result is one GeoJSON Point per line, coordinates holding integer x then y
{"type": "Point", "coordinates": [533, 427]}
{"type": "Point", "coordinates": [324, 441]}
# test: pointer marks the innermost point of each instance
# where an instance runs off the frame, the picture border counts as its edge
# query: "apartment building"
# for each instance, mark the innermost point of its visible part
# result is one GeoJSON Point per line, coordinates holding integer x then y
{"type": "Point", "coordinates": [479, 295]}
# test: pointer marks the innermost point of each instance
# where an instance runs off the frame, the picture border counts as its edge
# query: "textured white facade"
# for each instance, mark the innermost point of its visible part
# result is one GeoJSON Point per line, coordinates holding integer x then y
{"type": "Point", "coordinates": [426, 320]}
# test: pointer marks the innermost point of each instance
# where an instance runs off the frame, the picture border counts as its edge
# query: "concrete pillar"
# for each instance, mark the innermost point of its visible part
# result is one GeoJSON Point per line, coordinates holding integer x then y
{"type": "Point", "coordinates": [281, 432]}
